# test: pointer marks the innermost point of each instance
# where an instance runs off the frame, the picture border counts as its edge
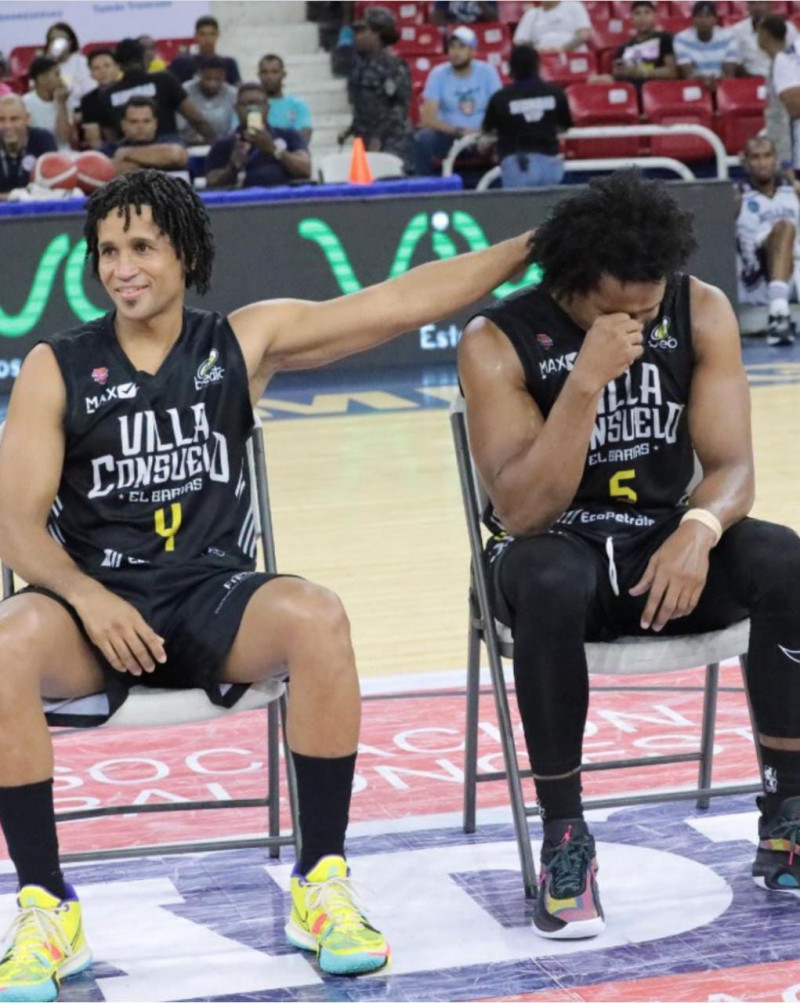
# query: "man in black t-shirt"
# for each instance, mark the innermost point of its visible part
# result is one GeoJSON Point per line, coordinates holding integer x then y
{"type": "Point", "coordinates": [206, 36]}
{"type": "Point", "coordinates": [20, 144]}
{"type": "Point", "coordinates": [527, 116]}
{"type": "Point", "coordinates": [105, 71]}
{"type": "Point", "coordinates": [648, 55]}
{"type": "Point", "coordinates": [163, 88]}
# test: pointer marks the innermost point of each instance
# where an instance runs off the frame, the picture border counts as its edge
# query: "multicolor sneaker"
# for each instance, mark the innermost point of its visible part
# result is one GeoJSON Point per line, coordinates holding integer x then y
{"type": "Point", "coordinates": [777, 863]}
{"type": "Point", "coordinates": [44, 944]}
{"type": "Point", "coordinates": [326, 918]}
{"type": "Point", "coordinates": [568, 904]}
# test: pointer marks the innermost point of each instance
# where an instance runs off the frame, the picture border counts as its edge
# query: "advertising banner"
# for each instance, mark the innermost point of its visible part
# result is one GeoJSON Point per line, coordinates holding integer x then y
{"type": "Point", "coordinates": [313, 250]}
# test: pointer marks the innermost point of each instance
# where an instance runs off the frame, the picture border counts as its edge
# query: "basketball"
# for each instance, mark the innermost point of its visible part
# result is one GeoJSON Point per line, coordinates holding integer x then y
{"type": "Point", "coordinates": [55, 170]}
{"type": "Point", "coordinates": [94, 170]}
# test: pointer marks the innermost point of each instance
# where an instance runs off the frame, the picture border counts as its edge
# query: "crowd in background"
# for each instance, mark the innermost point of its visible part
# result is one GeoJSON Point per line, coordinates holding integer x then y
{"type": "Point", "coordinates": [139, 110]}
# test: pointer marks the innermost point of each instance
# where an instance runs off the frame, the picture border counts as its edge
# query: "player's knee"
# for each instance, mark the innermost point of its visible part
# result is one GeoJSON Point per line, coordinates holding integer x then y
{"type": "Point", "coordinates": [317, 612]}
{"type": "Point", "coordinates": [546, 580]}
{"type": "Point", "coordinates": [20, 650]}
{"type": "Point", "coordinates": [775, 555]}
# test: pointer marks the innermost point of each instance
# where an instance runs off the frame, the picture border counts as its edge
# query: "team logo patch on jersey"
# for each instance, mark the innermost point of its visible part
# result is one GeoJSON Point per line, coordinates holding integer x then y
{"type": "Point", "coordinates": [545, 340]}
{"type": "Point", "coordinates": [208, 371]}
{"type": "Point", "coordinates": [661, 338]}
{"type": "Point", "coordinates": [122, 391]}
{"type": "Point", "coordinates": [100, 375]}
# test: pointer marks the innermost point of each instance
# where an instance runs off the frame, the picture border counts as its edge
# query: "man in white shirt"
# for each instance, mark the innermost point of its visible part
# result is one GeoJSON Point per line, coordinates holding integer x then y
{"type": "Point", "coordinates": [746, 57]}
{"type": "Point", "coordinates": [46, 103]}
{"type": "Point", "coordinates": [555, 27]}
{"type": "Point", "coordinates": [767, 221]}
{"type": "Point", "coordinates": [783, 80]}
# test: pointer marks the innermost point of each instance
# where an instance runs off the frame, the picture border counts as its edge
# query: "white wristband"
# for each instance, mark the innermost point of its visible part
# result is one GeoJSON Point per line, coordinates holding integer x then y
{"type": "Point", "coordinates": [708, 519]}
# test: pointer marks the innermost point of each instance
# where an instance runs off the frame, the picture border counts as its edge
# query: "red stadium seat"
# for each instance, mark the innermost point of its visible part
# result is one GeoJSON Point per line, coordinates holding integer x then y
{"type": "Point", "coordinates": [511, 11]}
{"type": "Point", "coordinates": [740, 109]}
{"type": "Point", "coordinates": [603, 104]}
{"type": "Point", "coordinates": [410, 13]}
{"type": "Point", "coordinates": [169, 48]}
{"type": "Point", "coordinates": [606, 40]}
{"type": "Point", "coordinates": [91, 47]}
{"type": "Point", "coordinates": [493, 37]}
{"type": "Point", "coordinates": [21, 57]}
{"type": "Point", "coordinates": [673, 23]}
{"type": "Point", "coordinates": [419, 40]}
{"type": "Point", "coordinates": [670, 102]}
{"type": "Point", "coordinates": [566, 68]}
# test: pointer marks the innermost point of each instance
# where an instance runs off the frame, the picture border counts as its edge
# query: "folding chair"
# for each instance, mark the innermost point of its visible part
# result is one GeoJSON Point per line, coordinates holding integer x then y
{"type": "Point", "coordinates": [147, 707]}
{"type": "Point", "coordinates": [624, 656]}
{"type": "Point", "coordinates": [335, 167]}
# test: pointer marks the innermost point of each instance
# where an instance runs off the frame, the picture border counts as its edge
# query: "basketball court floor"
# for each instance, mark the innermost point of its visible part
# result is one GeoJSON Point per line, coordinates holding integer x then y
{"type": "Point", "coordinates": [366, 500]}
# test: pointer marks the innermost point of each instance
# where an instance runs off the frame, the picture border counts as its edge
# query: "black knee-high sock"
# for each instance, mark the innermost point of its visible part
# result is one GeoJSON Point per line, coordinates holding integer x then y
{"type": "Point", "coordinates": [781, 775]}
{"type": "Point", "coordinates": [27, 818]}
{"type": "Point", "coordinates": [324, 787]}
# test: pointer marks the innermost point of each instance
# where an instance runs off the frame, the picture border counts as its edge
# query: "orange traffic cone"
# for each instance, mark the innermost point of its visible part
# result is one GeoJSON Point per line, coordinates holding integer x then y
{"type": "Point", "coordinates": [360, 174]}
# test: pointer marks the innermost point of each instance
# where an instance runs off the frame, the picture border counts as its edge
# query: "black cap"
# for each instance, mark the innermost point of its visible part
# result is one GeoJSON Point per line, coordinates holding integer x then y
{"type": "Point", "coordinates": [382, 22]}
{"type": "Point", "coordinates": [704, 7]}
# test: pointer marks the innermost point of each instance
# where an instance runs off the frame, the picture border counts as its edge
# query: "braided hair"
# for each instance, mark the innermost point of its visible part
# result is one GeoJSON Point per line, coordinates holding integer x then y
{"type": "Point", "coordinates": [177, 211]}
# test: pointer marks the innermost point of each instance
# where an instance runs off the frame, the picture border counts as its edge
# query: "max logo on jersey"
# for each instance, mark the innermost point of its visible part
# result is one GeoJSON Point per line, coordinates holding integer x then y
{"type": "Point", "coordinates": [661, 338]}
{"type": "Point", "coordinates": [208, 371]}
{"type": "Point", "coordinates": [121, 392]}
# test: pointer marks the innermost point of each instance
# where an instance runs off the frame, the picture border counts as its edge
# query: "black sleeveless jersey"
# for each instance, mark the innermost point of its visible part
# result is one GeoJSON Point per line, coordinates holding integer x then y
{"type": "Point", "coordinates": [154, 474]}
{"type": "Point", "coordinates": [640, 458]}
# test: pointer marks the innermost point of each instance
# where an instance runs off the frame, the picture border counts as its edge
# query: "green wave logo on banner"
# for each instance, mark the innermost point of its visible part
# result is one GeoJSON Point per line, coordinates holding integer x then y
{"type": "Point", "coordinates": [22, 323]}
{"type": "Point", "coordinates": [436, 223]}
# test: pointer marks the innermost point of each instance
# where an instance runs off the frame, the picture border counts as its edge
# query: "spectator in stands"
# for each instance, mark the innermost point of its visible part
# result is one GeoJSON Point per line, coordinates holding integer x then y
{"type": "Point", "coordinates": [166, 91]}
{"type": "Point", "coordinates": [649, 54]}
{"type": "Point", "coordinates": [702, 50]}
{"type": "Point", "coordinates": [206, 36]}
{"type": "Point", "coordinates": [141, 145]}
{"type": "Point", "coordinates": [379, 87]}
{"type": "Point", "coordinates": [214, 99]}
{"type": "Point", "coordinates": [455, 99]}
{"type": "Point", "coordinates": [526, 117]}
{"type": "Point", "coordinates": [257, 154]}
{"type": "Point", "coordinates": [20, 144]}
{"type": "Point", "coordinates": [783, 84]}
{"type": "Point", "coordinates": [767, 223]}
{"type": "Point", "coordinates": [463, 12]}
{"type": "Point", "coordinates": [105, 71]}
{"type": "Point", "coordinates": [152, 60]}
{"type": "Point", "coordinates": [46, 103]}
{"type": "Point", "coordinates": [61, 44]}
{"type": "Point", "coordinates": [745, 57]}
{"type": "Point", "coordinates": [285, 110]}
{"type": "Point", "coordinates": [555, 27]}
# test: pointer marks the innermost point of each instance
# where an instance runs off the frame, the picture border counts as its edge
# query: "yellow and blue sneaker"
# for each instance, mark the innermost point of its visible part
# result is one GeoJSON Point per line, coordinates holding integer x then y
{"type": "Point", "coordinates": [44, 944]}
{"type": "Point", "coordinates": [326, 918]}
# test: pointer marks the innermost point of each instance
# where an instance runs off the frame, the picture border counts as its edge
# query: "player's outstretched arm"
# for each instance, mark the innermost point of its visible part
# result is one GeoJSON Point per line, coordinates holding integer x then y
{"type": "Point", "coordinates": [295, 334]}
{"type": "Point", "coordinates": [31, 460]}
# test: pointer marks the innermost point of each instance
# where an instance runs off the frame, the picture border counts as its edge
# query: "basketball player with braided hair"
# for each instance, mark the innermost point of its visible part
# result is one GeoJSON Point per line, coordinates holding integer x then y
{"type": "Point", "coordinates": [155, 581]}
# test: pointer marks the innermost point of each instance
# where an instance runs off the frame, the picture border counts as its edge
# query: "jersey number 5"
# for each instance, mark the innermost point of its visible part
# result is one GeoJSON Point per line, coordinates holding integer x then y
{"type": "Point", "coordinates": [619, 490]}
{"type": "Point", "coordinates": [165, 531]}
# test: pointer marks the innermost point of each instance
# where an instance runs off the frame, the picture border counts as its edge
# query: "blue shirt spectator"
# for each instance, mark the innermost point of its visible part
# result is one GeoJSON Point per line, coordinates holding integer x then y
{"type": "Point", "coordinates": [462, 96]}
{"type": "Point", "coordinates": [701, 50]}
{"type": "Point", "coordinates": [20, 144]}
{"type": "Point", "coordinates": [285, 110]}
{"type": "Point", "coordinates": [455, 99]}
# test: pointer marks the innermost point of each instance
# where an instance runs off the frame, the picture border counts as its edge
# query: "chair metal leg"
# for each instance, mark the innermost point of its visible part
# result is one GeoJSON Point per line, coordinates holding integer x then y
{"type": "Point", "coordinates": [291, 779]}
{"type": "Point", "coordinates": [707, 734]}
{"type": "Point", "coordinates": [744, 666]}
{"type": "Point", "coordinates": [273, 777]}
{"type": "Point", "coordinates": [512, 765]}
{"type": "Point", "coordinates": [471, 725]}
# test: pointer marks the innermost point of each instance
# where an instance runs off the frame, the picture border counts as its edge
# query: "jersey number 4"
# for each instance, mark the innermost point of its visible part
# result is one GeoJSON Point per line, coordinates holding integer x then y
{"type": "Point", "coordinates": [619, 490]}
{"type": "Point", "coordinates": [167, 532]}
